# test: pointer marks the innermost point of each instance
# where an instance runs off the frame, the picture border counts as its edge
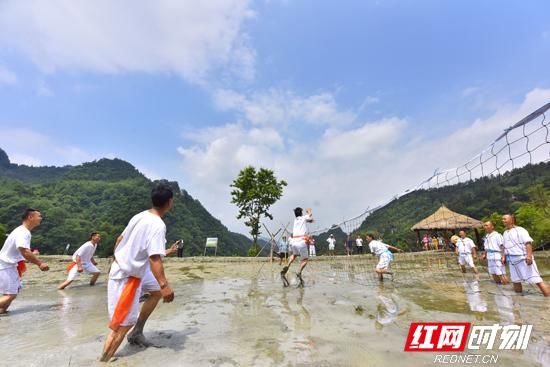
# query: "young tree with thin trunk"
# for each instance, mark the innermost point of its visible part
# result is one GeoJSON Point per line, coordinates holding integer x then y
{"type": "Point", "coordinates": [254, 191]}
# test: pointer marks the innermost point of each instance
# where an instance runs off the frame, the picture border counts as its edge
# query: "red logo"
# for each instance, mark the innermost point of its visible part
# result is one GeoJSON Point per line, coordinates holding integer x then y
{"type": "Point", "coordinates": [437, 336]}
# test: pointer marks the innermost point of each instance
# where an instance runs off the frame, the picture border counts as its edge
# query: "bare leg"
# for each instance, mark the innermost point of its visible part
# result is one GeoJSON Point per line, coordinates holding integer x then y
{"type": "Point", "coordinates": [544, 289]}
{"type": "Point", "coordinates": [303, 264]}
{"type": "Point", "coordinates": [64, 284]}
{"type": "Point", "coordinates": [518, 288]}
{"type": "Point", "coordinates": [463, 268]}
{"type": "Point", "coordinates": [136, 336]}
{"type": "Point", "coordinates": [5, 302]}
{"type": "Point", "coordinates": [504, 279]}
{"type": "Point", "coordinates": [497, 279]}
{"type": "Point", "coordinates": [94, 278]}
{"type": "Point", "coordinates": [476, 272]}
{"type": "Point", "coordinates": [112, 343]}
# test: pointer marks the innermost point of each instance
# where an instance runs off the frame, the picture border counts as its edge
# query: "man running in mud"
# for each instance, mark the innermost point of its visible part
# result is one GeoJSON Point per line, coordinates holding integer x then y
{"type": "Point", "coordinates": [15, 251]}
{"type": "Point", "coordinates": [140, 247]}
{"type": "Point", "coordinates": [385, 257]}
{"type": "Point", "coordinates": [299, 245]}
{"type": "Point", "coordinates": [83, 260]}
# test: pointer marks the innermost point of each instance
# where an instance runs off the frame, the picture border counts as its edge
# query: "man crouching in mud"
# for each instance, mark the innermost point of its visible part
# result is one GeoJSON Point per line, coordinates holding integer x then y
{"type": "Point", "coordinates": [298, 243]}
{"type": "Point", "coordinates": [139, 248]}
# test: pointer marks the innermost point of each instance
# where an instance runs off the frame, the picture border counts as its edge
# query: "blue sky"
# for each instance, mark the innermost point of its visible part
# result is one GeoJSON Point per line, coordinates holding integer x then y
{"type": "Point", "coordinates": [347, 101]}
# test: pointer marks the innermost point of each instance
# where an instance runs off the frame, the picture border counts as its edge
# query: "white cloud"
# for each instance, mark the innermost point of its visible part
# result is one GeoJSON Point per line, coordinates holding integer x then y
{"type": "Point", "coordinates": [371, 138]}
{"type": "Point", "coordinates": [342, 172]}
{"type": "Point", "coordinates": [187, 38]}
{"type": "Point", "coordinates": [26, 146]}
{"type": "Point", "coordinates": [278, 107]}
{"type": "Point", "coordinates": [7, 76]}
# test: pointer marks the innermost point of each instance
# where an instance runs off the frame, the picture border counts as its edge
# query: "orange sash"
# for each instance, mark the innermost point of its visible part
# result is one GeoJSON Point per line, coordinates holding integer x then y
{"type": "Point", "coordinates": [21, 268]}
{"type": "Point", "coordinates": [124, 304]}
{"type": "Point", "coordinates": [70, 266]}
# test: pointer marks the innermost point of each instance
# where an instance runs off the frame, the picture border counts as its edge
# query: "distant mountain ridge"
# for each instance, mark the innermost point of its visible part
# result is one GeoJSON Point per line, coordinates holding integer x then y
{"type": "Point", "coordinates": [101, 196]}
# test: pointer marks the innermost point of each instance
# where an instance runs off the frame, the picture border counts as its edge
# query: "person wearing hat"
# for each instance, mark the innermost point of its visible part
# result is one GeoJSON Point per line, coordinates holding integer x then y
{"type": "Point", "coordinates": [331, 244]}
{"type": "Point", "coordinates": [298, 242]}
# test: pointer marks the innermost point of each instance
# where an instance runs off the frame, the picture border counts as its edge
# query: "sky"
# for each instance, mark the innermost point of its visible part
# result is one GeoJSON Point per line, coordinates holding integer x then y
{"type": "Point", "coordinates": [350, 102]}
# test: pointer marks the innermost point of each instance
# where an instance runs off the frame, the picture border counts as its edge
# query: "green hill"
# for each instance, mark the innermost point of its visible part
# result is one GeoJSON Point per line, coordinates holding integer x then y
{"type": "Point", "coordinates": [524, 192]}
{"type": "Point", "coordinates": [101, 196]}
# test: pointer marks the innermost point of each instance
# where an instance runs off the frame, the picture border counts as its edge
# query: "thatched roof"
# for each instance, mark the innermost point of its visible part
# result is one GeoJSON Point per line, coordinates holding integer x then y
{"type": "Point", "coordinates": [444, 218]}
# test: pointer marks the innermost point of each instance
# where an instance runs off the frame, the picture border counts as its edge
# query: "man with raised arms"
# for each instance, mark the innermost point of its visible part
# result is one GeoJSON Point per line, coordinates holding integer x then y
{"type": "Point", "coordinates": [299, 246]}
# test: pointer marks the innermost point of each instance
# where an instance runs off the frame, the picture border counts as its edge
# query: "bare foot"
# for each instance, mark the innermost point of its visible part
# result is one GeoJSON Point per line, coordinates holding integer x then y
{"type": "Point", "coordinates": [137, 338]}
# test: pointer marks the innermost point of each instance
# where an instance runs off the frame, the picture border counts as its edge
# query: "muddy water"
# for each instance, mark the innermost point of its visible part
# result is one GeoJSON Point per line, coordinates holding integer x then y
{"type": "Point", "coordinates": [231, 312]}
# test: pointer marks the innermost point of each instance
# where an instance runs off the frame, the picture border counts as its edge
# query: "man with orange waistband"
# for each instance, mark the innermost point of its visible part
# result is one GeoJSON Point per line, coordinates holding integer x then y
{"type": "Point", "coordinates": [299, 244]}
{"type": "Point", "coordinates": [83, 260]}
{"type": "Point", "coordinates": [140, 247]}
{"type": "Point", "coordinates": [15, 251]}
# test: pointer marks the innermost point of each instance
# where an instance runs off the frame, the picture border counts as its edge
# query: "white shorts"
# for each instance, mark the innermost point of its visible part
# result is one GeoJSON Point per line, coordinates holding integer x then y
{"type": "Point", "coordinates": [384, 260]}
{"type": "Point", "coordinates": [521, 272]}
{"type": "Point", "coordinates": [467, 259]}
{"type": "Point", "coordinates": [331, 247]}
{"type": "Point", "coordinates": [9, 281]}
{"type": "Point", "coordinates": [496, 267]}
{"type": "Point", "coordinates": [88, 268]}
{"type": "Point", "coordinates": [301, 249]}
{"type": "Point", "coordinates": [114, 290]}
{"type": "Point", "coordinates": [149, 282]}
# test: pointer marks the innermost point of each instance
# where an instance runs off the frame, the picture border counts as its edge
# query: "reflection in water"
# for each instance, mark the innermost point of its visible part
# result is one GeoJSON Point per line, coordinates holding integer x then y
{"type": "Point", "coordinates": [476, 300]}
{"type": "Point", "coordinates": [65, 314]}
{"type": "Point", "coordinates": [387, 308]}
{"type": "Point", "coordinates": [300, 330]}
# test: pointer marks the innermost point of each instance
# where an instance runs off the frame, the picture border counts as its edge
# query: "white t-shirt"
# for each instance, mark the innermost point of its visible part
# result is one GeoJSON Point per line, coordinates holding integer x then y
{"type": "Point", "coordinates": [359, 242]}
{"type": "Point", "coordinates": [86, 251]}
{"type": "Point", "coordinates": [377, 247]}
{"type": "Point", "coordinates": [20, 237]}
{"type": "Point", "coordinates": [493, 242]}
{"type": "Point", "coordinates": [331, 242]}
{"type": "Point", "coordinates": [465, 246]}
{"type": "Point", "coordinates": [515, 240]}
{"type": "Point", "coordinates": [300, 225]}
{"type": "Point", "coordinates": [144, 236]}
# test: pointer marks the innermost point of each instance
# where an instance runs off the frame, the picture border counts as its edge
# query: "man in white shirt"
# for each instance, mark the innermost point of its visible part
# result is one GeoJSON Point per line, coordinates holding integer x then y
{"type": "Point", "coordinates": [494, 253]}
{"type": "Point", "coordinates": [385, 257]}
{"type": "Point", "coordinates": [519, 252]}
{"type": "Point", "coordinates": [15, 251]}
{"type": "Point", "coordinates": [298, 244]}
{"type": "Point", "coordinates": [465, 248]}
{"type": "Point", "coordinates": [140, 247]}
{"type": "Point", "coordinates": [359, 244]}
{"type": "Point", "coordinates": [83, 260]}
{"type": "Point", "coordinates": [331, 245]}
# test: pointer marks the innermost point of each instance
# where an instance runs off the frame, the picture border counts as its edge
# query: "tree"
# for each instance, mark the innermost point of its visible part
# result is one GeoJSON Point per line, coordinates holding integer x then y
{"type": "Point", "coordinates": [254, 192]}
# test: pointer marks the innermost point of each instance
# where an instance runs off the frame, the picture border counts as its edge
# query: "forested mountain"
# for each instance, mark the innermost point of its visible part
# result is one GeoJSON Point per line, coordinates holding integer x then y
{"type": "Point", "coordinates": [101, 196]}
{"type": "Point", "coordinates": [524, 192]}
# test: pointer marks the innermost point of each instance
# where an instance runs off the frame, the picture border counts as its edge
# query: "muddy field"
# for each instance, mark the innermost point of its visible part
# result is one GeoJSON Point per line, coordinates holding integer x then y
{"type": "Point", "coordinates": [235, 312]}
